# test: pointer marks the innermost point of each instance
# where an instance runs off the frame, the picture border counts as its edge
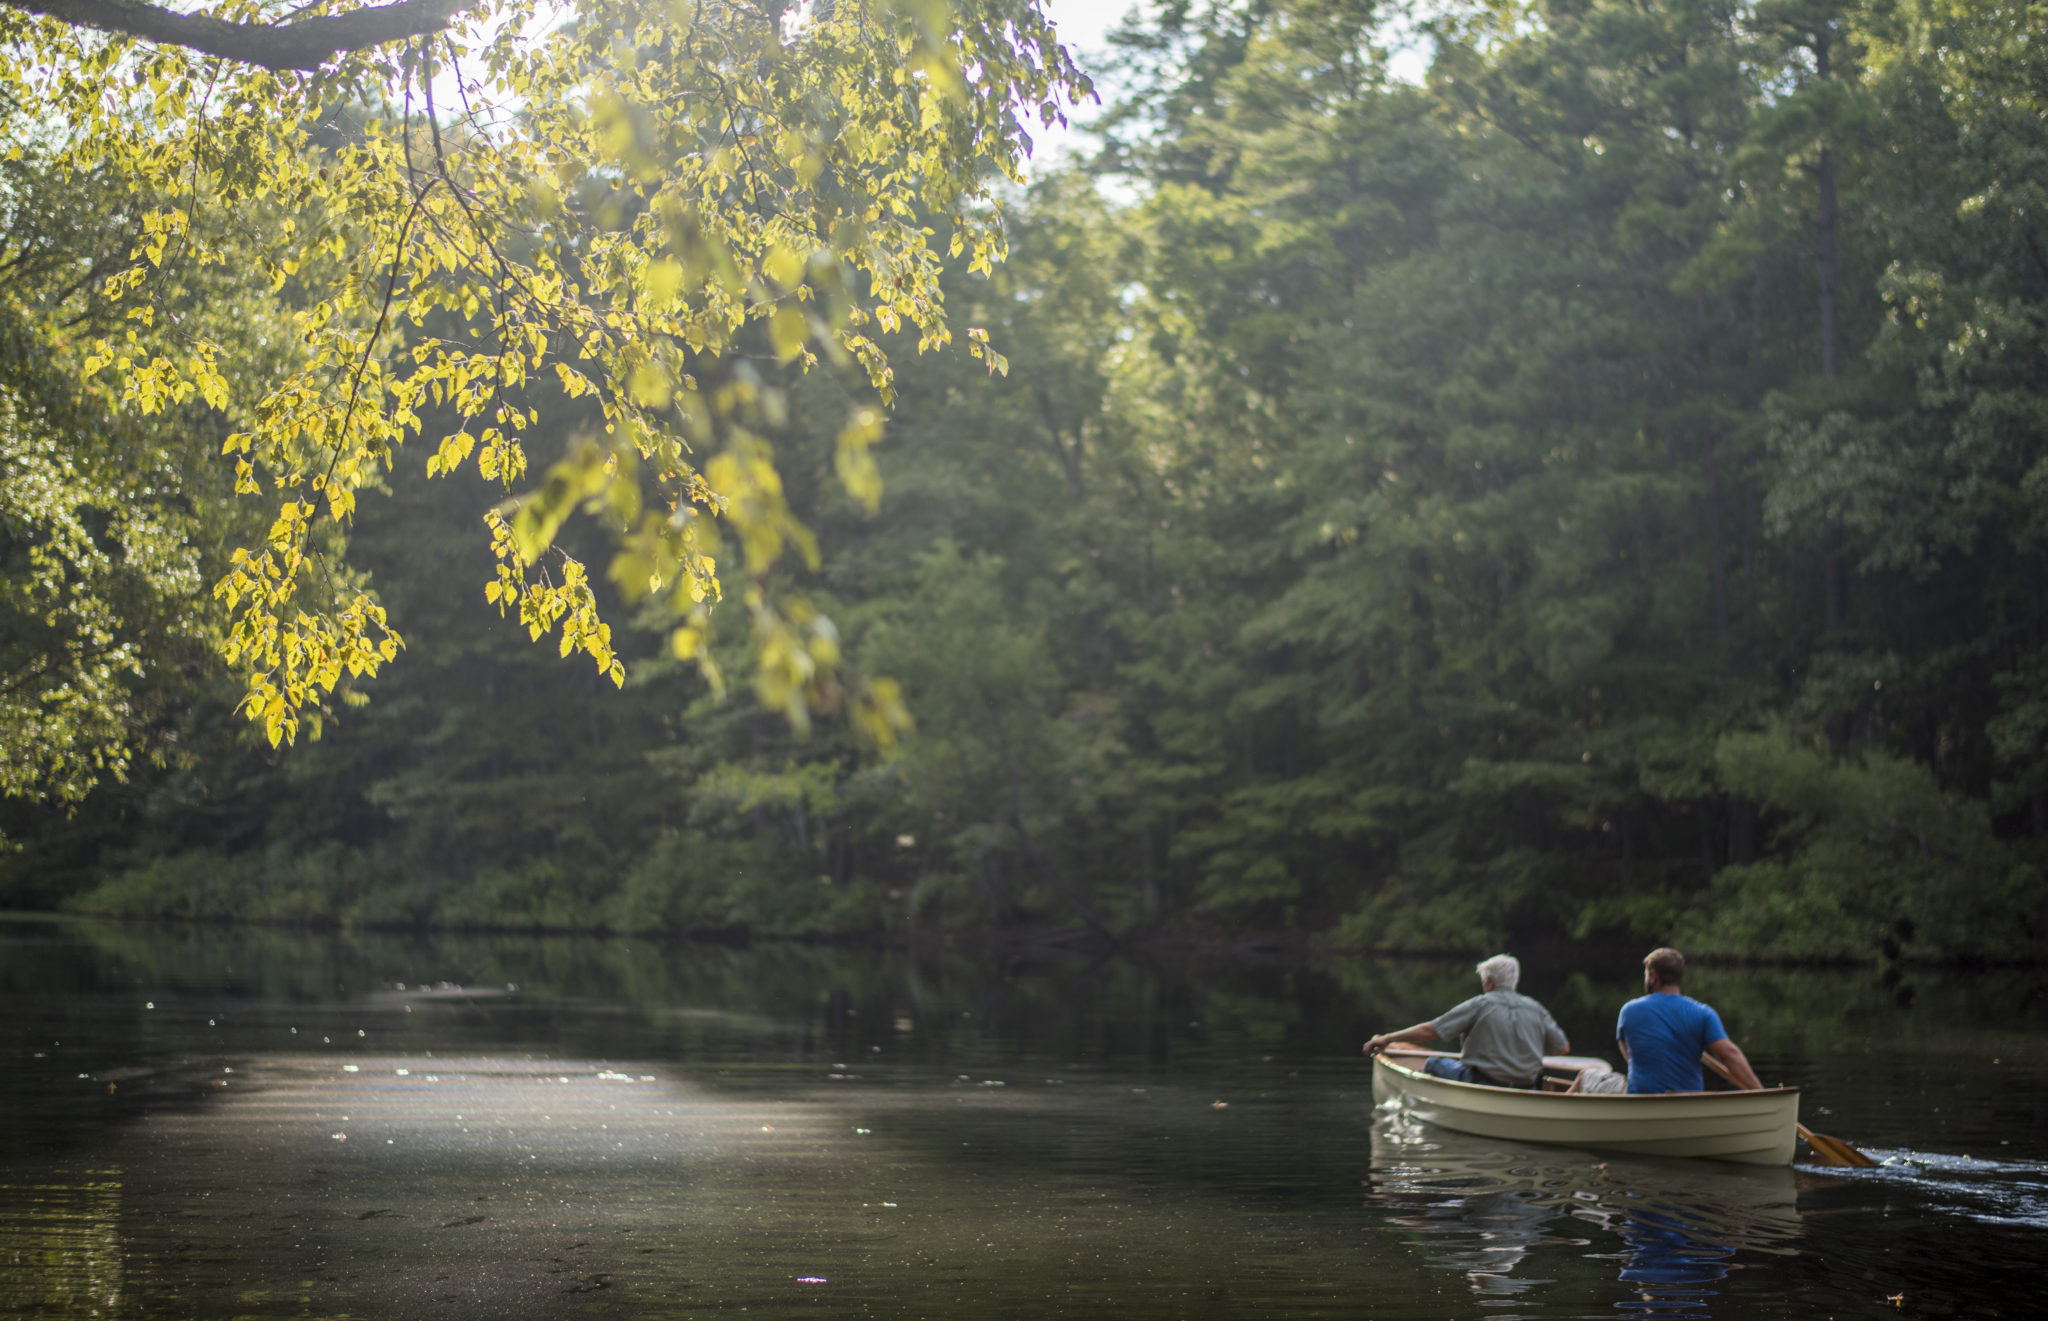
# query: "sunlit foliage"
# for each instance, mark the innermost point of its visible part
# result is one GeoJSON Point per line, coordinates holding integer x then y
{"type": "Point", "coordinates": [1424, 514]}
{"type": "Point", "coordinates": [646, 206]}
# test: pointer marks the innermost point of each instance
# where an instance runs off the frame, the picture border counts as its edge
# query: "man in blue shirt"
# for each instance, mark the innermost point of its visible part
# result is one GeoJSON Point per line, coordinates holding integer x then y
{"type": "Point", "coordinates": [1663, 1032]}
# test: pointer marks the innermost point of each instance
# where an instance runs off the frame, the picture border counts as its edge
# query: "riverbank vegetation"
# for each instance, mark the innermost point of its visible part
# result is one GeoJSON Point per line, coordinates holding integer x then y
{"type": "Point", "coordinates": [1596, 491]}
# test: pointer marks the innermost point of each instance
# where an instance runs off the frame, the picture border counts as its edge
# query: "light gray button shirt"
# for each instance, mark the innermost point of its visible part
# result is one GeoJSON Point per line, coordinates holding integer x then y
{"type": "Point", "coordinates": [1506, 1034]}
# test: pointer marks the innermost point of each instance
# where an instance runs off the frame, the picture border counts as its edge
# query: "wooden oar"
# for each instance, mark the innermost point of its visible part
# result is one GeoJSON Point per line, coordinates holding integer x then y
{"type": "Point", "coordinates": [1830, 1150]}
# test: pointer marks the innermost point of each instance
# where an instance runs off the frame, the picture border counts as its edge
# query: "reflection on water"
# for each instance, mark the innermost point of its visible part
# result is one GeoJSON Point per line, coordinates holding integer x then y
{"type": "Point", "coordinates": [237, 1124]}
{"type": "Point", "coordinates": [1484, 1237]}
{"type": "Point", "coordinates": [1482, 1206]}
{"type": "Point", "coordinates": [60, 1247]}
{"type": "Point", "coordinates": [1670, 1264]}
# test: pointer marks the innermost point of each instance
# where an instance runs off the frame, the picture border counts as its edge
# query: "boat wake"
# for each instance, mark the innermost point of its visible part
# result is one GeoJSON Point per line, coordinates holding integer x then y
{"type": "Point", "coordinates": [1990, 1191]}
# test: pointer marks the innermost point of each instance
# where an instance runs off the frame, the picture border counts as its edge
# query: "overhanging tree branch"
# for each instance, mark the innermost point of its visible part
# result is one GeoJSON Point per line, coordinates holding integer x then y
{"type": "Point", "coordinates": [304, 43]}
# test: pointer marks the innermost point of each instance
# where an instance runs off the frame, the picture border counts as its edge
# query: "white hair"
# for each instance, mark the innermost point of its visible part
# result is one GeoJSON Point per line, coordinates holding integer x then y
{"type": "Point", "coordinates": [1502, 970]}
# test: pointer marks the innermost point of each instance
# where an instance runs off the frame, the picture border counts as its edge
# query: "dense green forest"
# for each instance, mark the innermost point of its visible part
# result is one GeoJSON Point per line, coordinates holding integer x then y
{"type": "Point", "coordinates": [1598, 492]}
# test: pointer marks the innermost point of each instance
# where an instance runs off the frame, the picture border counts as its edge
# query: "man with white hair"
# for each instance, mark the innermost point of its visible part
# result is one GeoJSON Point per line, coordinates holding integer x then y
{"type": "Point", "coordinates": [1506, 1033]}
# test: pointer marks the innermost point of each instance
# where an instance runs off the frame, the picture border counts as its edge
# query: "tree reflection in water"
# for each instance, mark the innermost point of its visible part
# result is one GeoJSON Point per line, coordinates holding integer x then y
{"type": "Point", "coordinates": [60, 1246]}
{"type": "Point", "coordinates": [1510, 1217]}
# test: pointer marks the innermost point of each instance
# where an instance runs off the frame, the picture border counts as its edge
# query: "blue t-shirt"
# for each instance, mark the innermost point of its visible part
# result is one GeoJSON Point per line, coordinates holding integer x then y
{"type": "Point", "coordinates": [1665, 1034]}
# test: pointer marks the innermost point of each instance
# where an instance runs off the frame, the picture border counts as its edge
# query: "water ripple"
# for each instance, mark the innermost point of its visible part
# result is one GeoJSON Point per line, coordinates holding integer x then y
{"type": "Point", "coordinates": [1989, 1191]}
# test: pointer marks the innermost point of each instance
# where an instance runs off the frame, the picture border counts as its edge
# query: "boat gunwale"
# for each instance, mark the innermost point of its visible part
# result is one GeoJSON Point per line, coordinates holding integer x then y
{"type": "Point", "coordinates": [1382, 1058]}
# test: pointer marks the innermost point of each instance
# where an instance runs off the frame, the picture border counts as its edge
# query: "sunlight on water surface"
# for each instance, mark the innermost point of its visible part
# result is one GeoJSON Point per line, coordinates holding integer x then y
{"type": "Point", "coordinates": [231, 1124]}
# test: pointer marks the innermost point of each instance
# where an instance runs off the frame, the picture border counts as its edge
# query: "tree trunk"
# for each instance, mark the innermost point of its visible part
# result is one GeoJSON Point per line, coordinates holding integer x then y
{"type": "Point", "coordinates": [1044, 865]}
{"type": "Point", "coordinates": [2037, 637]}
{"type": "Point", "coordinates": [1830, 326]}
{"type": "Point", "coordinates": [1717, 514]}
{"type": "Point", "coordinates": [1068, 454]}
{"type": "Point", "coordinates": [1824, 175]}
{"type": "Point", "coordinates": [1830, 323]}
{"type": "Point", "coordinates": [1741, 830]}
{"type": "Point", "coordinates": [1717, 548]}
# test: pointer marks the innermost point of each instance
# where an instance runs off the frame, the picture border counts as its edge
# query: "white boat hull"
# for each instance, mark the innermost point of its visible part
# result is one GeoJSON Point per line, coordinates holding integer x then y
{"type": "Point", "coordinates": [1753, 1128]}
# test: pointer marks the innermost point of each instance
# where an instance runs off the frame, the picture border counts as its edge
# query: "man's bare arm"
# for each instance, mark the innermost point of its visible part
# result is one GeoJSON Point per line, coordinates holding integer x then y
{"type": "Point", "coordinates": [1420, 1033]}
{"type": "Point", "coordinates": [1734, 1065]}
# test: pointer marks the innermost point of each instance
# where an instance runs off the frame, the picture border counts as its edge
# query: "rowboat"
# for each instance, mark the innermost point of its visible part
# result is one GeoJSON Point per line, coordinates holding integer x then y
{"type": "Point", "coordinates": [1752, 1128]}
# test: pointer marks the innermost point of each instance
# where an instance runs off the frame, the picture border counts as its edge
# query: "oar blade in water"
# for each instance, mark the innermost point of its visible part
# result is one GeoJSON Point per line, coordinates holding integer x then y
{"type": "Point", "coordinates": [1832, 1150]}
{"type": "Point", "coordinates": [1828, 1150]}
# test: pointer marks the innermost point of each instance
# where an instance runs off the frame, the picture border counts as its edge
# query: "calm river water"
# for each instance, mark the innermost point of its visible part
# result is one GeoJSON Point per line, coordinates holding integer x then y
{"type": "Point", "coordinates": [236, 1124]}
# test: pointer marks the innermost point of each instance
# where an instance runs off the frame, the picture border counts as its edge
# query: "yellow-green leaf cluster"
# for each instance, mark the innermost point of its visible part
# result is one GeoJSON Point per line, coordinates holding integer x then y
{"type": "Point", "coordinates": [634, 208]}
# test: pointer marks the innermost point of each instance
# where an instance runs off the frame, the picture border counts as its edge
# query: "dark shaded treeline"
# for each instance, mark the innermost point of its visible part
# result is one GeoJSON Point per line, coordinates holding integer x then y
{"type": "Point", "coordinates": [1597, 494]}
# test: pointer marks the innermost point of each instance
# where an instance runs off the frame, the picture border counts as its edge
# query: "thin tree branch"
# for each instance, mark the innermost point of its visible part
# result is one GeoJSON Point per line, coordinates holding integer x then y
{"type": "Point", "coordinates": [304, 43]}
